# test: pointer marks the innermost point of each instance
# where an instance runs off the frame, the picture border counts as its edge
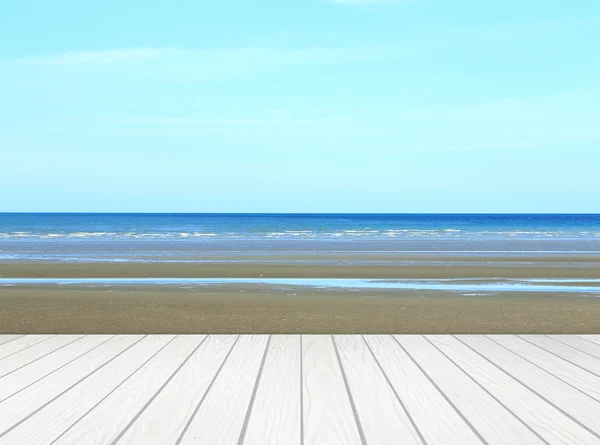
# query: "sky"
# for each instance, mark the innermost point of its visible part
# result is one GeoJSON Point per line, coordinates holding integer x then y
{"type": "Point", "coordinates": [392, 106]}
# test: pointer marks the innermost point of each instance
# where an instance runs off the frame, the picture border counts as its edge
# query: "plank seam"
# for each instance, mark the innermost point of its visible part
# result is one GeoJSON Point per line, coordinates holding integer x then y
{"type": "Point", "coordinates": [41, 357]}
{"type": "Point", "coordinates": [555, 338]}
{"type": "Point", "coordinates": [254, 390]}
{"type": "Point", "coordinates": [591, 341]}
{"type": "Point", "coordinates": [189, 422]}
{"type": "Point", "coordinates": [406, 411]}
{"type": "Point", "coordinates": [462, 416]}
{"type": "Point", "coordinates": [112, 391]}
{"type": "Point", "coordinates": [57, 369]}
{"type": "Point", "coordinates": [560, 357]}
{"type": "Point", "coordinates": [69, 388]}
{"type": "Point", "coordinates": [122, 433]}
{"type": "Point", "coordinates": [12, 339]}
{"type": "Point", "coordinates": [27, 347]}
{"type": "Point", "coordinates": [585, 427]}
{"type": "Point", "coordinates": [545, 370]}
{"type": "Point", "coordinates": [349, 392]}
{"type": "Point", "coordinates": [490, 394]}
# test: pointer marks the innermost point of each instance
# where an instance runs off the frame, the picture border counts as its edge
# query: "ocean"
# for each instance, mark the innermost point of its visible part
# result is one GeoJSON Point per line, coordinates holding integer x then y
{"type": "Point", "coordinates": [80, 236]}
{"type": "Point", "coordinates": [196, 226]}
{"type": "Point", "coordinates": [456, 246]}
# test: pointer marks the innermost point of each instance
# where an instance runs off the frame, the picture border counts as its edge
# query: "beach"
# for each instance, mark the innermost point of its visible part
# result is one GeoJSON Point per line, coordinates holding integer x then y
{"type": "Point", "coordinates": [442, 265]}
{"type": "Point", "coordinates": [227, 310]}
{"type": "Point", "coordinates": [114, 307]}
{"type": "Point", "coordinates": [284, 274]}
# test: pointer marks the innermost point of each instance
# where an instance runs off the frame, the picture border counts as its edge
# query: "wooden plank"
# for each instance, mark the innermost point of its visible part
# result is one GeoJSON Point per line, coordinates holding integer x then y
{"type": "Point", "coordinates": [20, 344]}
{"type": "Point", "coordinates": [592, 338]}
{"type": "Point", "coordinates": [565, 371]}
{"type": "Point", "coordinates": [542, 417]}
{"type": "Point", "coordinates": [5, 338]}
{"type": "Point", "coordinates": [24, 403]}
{"type": "Point", "coordinates": [579, 343]}
{"type": "Point", "coordinates": [220, 417]}
{"type": "Point", "coordinates": [436, 419]}
{"type": "Point", "coordinates": [276, 415]}
{"type": "Point", "coordinates": [498, 425]}
{"type": "Point", "coordinates": [382, 415]}
{"type": "Point", "coordinates": [101, 425]}
{"type": "Point", "coordinates": [180, 397]}
{"type": "Point", "coordinates": [49, 422]}
{"type": "Point", "coordinates": [344, 390]}
{"type": "Point", "coordinates": [566, 352]}
{"type": "Point", "coordinates": [32, 354]}
{"type": "Point", "coordinates": [28, 375]}
{"type": "Point", "coordinates": [328, 416]}
{"type": "Point", "coordinates": [579, 406]}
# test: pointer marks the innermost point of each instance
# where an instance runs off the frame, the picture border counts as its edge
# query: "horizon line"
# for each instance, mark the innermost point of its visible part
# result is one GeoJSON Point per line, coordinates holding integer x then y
{"type": "Point", "coordinates": [297, 213]}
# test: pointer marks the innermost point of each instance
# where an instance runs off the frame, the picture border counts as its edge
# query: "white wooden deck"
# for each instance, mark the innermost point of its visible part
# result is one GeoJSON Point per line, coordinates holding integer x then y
{"type": "Point", "coordinates": [299, 390]}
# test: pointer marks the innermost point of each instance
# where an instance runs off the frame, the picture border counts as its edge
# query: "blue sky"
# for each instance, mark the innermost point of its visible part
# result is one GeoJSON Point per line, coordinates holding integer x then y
{"type": "Point", "coordinates": [300, 106]}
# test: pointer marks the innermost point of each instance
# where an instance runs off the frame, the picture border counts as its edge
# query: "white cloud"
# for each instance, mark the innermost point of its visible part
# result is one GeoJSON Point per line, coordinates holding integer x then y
{"type": "Point", "coordinates": [281, 117]}
{"type": "Point", "coordinates": [278, 112]}
{"type": "Point", "coordinates": [366, 2]}
{"type": "Point", "coordinates": [286, 34]}
{"type": "Point", "coordinates": [226, 58]}
{"type": "Point", "coordinates": [507, 124]}
{"type": "Point", "coordinates": [175, 65]}
{"type": "Point", "coordinates": [117, 56]}
{"type": "Point", "coordinates": [353, 2]}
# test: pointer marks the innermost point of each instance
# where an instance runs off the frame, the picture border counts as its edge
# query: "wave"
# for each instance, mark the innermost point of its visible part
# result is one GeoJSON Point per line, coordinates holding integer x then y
{"type": "Point", "coordinates": [398, 233]}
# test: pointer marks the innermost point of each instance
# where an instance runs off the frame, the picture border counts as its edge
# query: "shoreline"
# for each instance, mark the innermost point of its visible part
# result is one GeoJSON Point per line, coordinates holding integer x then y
{"type": "Point", "coordinates": [250, 308]}
{"type": "Point", "coordinates": [446, 269]}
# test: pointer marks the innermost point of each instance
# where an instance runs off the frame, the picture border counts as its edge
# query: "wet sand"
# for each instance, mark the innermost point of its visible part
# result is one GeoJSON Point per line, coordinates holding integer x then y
{"type": "Point", "coordinates": [582, 267]}
{"type": "Point", "coordinates": [248, 308]}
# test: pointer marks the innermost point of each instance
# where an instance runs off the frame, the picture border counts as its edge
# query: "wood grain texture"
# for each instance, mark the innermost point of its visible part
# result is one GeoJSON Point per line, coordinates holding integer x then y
{"type": "Point", "coordinates": [579, 343]}
{"type": "Point", "coordinates": [24, 357]}
{"type": "Point", "coordinates": [381, 414]}
{"type": "Point", "coordinates": [554, 365]}
{"type": "Point", "coordinates": [276, 413]}
{"type": "Point", "coordinates": [592, 338]}
{"type": "Point", "coordinates": [434, 416]}
{"type": "Point", "coordinates": [300, 390]}
{"type": "Point", "coordinates": [50, 422]}
{"type": "Point", "coordinates": [28, 375]}
{"type": "Point", "coordinates": [327, 411]}
{"type": "Point", "coordinates": [24, 403]}
{"type": "Point", "coordinates": [220, 418]}
{"type": "Point", "coordinates": [5, 338]}
{"type": "Point", "coordinates": [542, 417]}
{"type": "Point", "coordinates": [498, 426]}
{"type": "Point", "coordinates": [21, 343]}
{"type": "Point", "coordinates": [574, 403]}
{"type": "Point", "coordinates": [566, 352]}
{"type": "Point", "coordinates": [100, 426]}
{"type": "Point", "coordinates": [162, 422]}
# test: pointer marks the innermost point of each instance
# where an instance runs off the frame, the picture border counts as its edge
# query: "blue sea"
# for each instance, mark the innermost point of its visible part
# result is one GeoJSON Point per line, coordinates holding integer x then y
{"type": "Point", "coordinates": [296, 238]}
{"type": "Point", "coordinates": [181, 226]}
{"type": "Point", "coordinates": [98, 236]}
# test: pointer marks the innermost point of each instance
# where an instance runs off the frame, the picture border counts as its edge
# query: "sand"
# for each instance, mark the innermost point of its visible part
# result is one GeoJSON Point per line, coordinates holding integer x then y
{"type": "Point", "coordinates": [440, 269]}
{"type": "Point", "coordinates": [229, 309]}
{"type": "Point", "coordinates": [226, 310]}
